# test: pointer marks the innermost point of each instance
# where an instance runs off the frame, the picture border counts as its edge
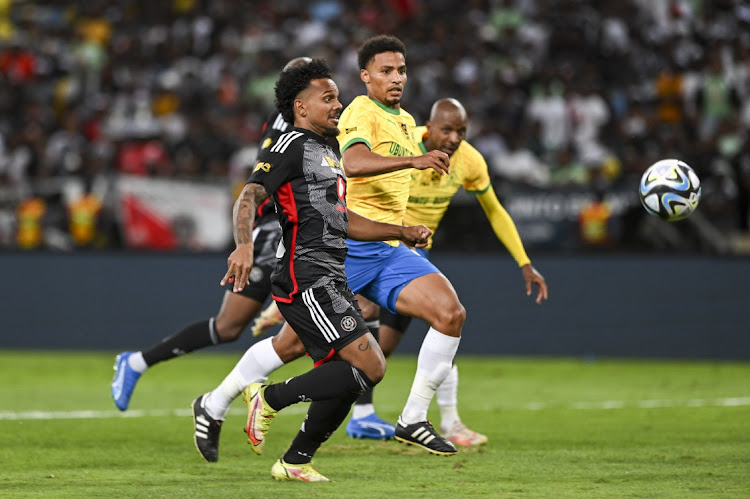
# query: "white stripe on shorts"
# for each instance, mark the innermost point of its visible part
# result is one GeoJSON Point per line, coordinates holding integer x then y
{"type": "Point", "coordinates": [318, 317]}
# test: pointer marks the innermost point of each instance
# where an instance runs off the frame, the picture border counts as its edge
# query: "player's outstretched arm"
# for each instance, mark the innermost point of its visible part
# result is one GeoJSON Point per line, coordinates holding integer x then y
{"type": "Point", "coordinates": [364, 229]}
{"type": "Point", "coordinates": [240, 261]}
{"type": "Point", "coordinates": [506, 232]}
{"type": "Point", "coordinates": [503, 226]}
{"type": "Point", "coordinates": [360, 161]}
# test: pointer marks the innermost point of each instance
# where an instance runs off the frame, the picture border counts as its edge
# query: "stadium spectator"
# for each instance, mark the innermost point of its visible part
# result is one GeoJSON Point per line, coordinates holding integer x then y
{"type": "Point", "coordinates": [196, 76]}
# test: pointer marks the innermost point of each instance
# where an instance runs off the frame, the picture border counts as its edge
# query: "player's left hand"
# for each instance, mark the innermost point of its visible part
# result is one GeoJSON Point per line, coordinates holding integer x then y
{"type": "Point", "coordinates": [415, 236]}
{"type": "Point", "coordinates": [531, 276]}
{"type": "Point", "coordinates": [239, 265]}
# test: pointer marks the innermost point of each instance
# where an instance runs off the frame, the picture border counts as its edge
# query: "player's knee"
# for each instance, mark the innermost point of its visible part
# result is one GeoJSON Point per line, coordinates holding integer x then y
{"type": "Point", "coordinates": [372, 367]}
{"type": "Point", "coordinates": [379, 373]}
{"type": "Point", "coordinates": [375, 371]}
{"type": "Point", "coordinates": [288, 347]}
{"type": "Point", "coordinates": [226, 331]}
{"type": "Point", "coordinates": [449, 320]}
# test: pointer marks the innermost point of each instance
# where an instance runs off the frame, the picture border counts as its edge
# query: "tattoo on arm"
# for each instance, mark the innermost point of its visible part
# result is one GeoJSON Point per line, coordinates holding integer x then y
{"type": "Point", "coordinates": [364, 346]}
{"type": "Point", "coordinates": [244, 212]}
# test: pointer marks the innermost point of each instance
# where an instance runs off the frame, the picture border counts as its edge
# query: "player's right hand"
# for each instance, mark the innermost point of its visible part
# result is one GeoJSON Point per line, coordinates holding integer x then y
{"type": "Point", "coordinates": [435, 159]}
{"type": "Point", "coordinates": [532, 276]}
{"type": "Point", "coordinates": [415, 236]}
{"type": "Point", "coordinates": [239, 265]}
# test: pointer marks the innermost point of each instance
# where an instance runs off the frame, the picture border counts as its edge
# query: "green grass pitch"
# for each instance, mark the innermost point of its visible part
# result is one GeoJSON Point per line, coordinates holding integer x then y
{"type": "Point", "coordinates": [557, 428]}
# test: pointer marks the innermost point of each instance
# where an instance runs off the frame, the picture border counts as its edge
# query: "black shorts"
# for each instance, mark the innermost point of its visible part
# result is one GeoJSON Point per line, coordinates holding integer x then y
{"type": "Point", "coordinates": [266, 237]}
{"type": "Point", "coordinates": [326, 318]}
{"type": "Point", "coordinates": [260, 283]}
{"type": "Point", "coordinates": [396, 321]}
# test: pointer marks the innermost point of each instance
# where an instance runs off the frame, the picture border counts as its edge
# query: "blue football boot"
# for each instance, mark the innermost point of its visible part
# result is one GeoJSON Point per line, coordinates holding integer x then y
{"type": "Point", "coordinates": [124, 381]}
{"type": "Point", "coordinates": [371, 427]}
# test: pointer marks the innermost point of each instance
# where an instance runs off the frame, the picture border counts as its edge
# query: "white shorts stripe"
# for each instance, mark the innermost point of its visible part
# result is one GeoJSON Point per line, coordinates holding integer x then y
{"type": "Point", "coordinates": [314, 317]}
{"type": "Point", "coordinates": [318, 317]}
{"type": "Point", "coordinates": [323, 316]}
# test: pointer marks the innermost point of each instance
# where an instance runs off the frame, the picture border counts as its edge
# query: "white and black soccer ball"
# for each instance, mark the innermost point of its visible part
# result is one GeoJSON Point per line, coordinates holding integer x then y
{"type": "Point", "coordinates": [670, 190]}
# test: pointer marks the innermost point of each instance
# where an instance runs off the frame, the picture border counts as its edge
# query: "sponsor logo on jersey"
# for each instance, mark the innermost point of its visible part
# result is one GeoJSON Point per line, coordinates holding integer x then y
{"type": "Point", "coordinates": [329, 161]}
{"type": "Point", "coordinates": [267, 143]}
{"type": "Point", "coordinates": [405, 129]}
{"type": "Point", "coordinates": [399, 150]}
{"type": "Point", "coordinates": [429, 200]}
{"type": "Point", "coordinates": [266, 167]}
{"type": "Point", "coordinates": [350, 130]}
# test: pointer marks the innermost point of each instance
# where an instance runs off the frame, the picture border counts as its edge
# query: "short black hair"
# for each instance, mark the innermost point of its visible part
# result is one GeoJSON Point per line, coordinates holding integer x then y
{"type": "Point", "coordinates": [293, 81]}
{"type": "Point", "coordinates": [377, 45]}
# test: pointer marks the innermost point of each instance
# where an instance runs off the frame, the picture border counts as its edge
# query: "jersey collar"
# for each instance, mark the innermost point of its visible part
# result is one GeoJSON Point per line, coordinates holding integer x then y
{"type": "Point", "coordinates": [385, 108]}
{"type": "Point", "coordinates": [310, 133]}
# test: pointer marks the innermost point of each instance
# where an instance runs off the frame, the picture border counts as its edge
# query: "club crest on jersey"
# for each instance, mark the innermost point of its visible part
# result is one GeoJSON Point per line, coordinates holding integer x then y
{"type": "Point", "coordinates": [348, 323]}
{"type": "Point", "coordinates": [405, 129]}
{"type": "Point", "coordinates": [267, 143]}
{"type": "Point", "coordinates": [266, 167]}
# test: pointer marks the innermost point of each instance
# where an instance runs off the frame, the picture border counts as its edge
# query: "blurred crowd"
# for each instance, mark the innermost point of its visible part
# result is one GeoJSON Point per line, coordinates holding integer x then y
{"type": "Point", "coordinates": [564, 95]}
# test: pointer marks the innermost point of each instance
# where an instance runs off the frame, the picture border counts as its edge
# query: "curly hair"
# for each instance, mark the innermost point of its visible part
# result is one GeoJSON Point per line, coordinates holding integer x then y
{"type": "Point", "coordinates": [293, 81]}
{"type": "Point", "coordinates": [377, 45]}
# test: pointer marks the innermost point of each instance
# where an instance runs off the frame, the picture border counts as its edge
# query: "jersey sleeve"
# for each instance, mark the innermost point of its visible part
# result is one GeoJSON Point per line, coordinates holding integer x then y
{"type": "Point", "coordinates": [503, 226]}
{"type": "Point", "coordinates": [356, 125]}
{"type": "Point", "coordinates": [273, 169]}
{"type": "Point", "coordinates": [476, 178]}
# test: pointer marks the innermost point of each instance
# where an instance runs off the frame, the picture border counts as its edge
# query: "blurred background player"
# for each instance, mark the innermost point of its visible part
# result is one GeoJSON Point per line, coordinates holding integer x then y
{"type": "Point", "coordinates": [303, 174]}
{"type": "Point", "coordinates": [237, 308]}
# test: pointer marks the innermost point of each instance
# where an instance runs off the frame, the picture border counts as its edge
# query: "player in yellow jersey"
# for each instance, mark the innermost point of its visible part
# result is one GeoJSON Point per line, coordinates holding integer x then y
{"type": "Point", "coordinates": [380, 151]}
{"type": "Point", "coordinates": [429, 197]}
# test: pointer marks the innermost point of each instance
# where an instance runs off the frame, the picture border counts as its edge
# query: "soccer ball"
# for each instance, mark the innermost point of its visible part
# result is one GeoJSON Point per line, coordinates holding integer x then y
{"type": "Point", "coordinates": [670, 190]}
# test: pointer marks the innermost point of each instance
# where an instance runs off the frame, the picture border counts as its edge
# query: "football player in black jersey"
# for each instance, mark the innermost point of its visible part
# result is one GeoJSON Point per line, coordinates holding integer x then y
{"type": "Point", "coordinates": [302, 173]}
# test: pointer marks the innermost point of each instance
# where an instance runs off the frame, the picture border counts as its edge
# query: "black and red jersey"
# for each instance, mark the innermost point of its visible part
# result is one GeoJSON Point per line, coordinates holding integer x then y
{"type": "Point", "coordinates": [302, 173]}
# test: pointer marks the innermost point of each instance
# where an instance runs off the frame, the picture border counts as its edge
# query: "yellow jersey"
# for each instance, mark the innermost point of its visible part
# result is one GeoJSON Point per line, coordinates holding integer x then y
{"type": "Point", "coordinates": [387, 132]}
{"type": "Point", "coordinates": [430, 193]}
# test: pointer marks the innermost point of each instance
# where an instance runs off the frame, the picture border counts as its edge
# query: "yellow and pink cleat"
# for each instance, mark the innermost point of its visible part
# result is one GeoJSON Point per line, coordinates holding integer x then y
{"type": "Point", "coordinates": [259, 416]}
{"type": "Point", "coordinates": [459, 434]}
{"type": "Point", "coordinates": [281, 470]}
